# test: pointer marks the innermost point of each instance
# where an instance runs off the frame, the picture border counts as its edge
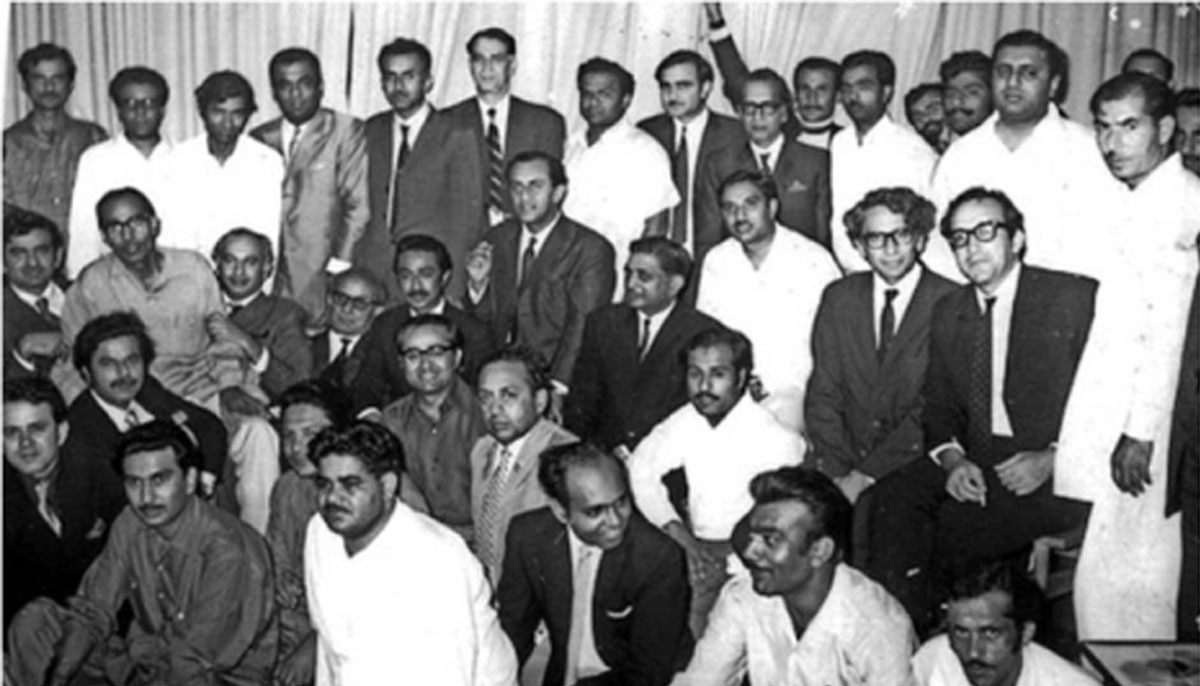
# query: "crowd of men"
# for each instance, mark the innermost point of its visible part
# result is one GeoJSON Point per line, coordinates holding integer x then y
{"type": "Point", "coordinates": [456, 396]}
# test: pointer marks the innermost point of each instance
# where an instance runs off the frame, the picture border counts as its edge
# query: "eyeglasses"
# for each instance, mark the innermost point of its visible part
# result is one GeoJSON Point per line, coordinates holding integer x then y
{"type": "Point", "coordinates": [350, 302]}
{"type": "Point", "coordinates": [414, 355]}
{"type": "Point", "coordinates": [984, 232]}
{"type": "Point", "coordinates": [139, 104]}
{"type": "Point", "coordinates": [138, 222]}
{"type": "Point", "coordinates": [878, 241]}
{"type": "Point", "coordinates": [760, 109]}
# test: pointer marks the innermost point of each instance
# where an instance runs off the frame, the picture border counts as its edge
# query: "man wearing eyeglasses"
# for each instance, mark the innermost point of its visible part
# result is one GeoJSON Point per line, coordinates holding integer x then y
{"type": "Point", "coordinates": [440, 421]}
{"type": "Point", "coordinates": [1002, 356]}
{"type": "Point", "coordinates": [355, 298]}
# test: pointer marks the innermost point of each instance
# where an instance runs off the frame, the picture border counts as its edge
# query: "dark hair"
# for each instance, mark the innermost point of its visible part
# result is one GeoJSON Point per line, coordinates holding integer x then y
{"type": "Point", "coordinates": [421, 242]}
{"type": "Point", "coordinates": [765, 183]}
{"type": "Point", "coordinates": [453, 331]}
{"type": "Point", "coordinates": [770, 77]}
{"type": "Point", "coordinates": [968, 60]}
{"type": "Point", "coordinates": [817, 64]}
{"type": "Point", "coordinates": [554, 463]}
{"type": "Point", "coordinates": [321, 394]}
{"type": "Point", "coordinates": [880, 62]}
{"type": "Point", "coordinates": [377, 448]}
{"type": "Point", "coordinates": [497, 34]}
{"type": "Point", "coordinates": [1158, 100]}
{"type": "Point", "coordinates": [220, 86]}
{"type": "Point", "coordinates": [1013, 219]}
{"type": "Point", "coordinates": [36, 390]}
{"type": "Point", "coordinates": [405, 46]}
{"type": "Point", "coordinates": [831, 511]}
{"type": "Point", "coordinates": [740, 347]}
{"type": "Point", "coordinates": [264, 243]}
{"type": "Point", "coordinates": [919, 214]}
{"type": "Point", "coordinates": [532, 360]}
{"type": "Point", "coordinates": [1024, 38]}
{"type": "Point", "coordinates": [294, 55]}
{"type": "Point", "coordinates": [558, 173]}
{"type": "Point", "coordinates": [599, 65]}
{"type": "Point", "coordinates": [144, 76]}
{"type": "Point", "coordinates": [156, 435]}
{"type": "Point", "coordinates": [126, 191]}
{"type": "Point", "coordinates": [984, 576]}
{"type": "Point", "coordinates": [704, 70]}
{"type": "Point", "coordinates": [1187, 97]}
{"type": "Point", "coordinates": [105, 328]}
{"type": "Point", "coordinates": [916, 93]}
{"type": "Point", "coordinates": [19, 221]}
{"type": "Point", "coordinates": [43, 52]}
{"type": "Point", "coordinates": [1169, 66]}
{"type": "Point", "coordinates": [364, 275]}
{"type": "Point", "coordinates": [672, 257]}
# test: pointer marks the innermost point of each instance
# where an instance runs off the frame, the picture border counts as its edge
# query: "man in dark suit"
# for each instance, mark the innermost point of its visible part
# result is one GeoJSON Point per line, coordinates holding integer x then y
{"type": "Point", "coordinates": [590, 558]}
{"type": "Point", "coordinates": [535, 278]}
{"type": "Point", "coordinates": [800, 171]}
{"type": "Point", "coordinates": [33, 301]}
{"type": "Point", "coordinates": [1183, 485]}
{"type": "Point", "coordinates": [355, 298]}
{"type": "Point", "coordinates": [423, 268]}
{"type": "Point", "coordinates": [990, 432]}
{"type": "Point", "coordinates": [628, 376]}
{"type": "Point", "coordinates": [690, 133]}
{"type": "Point", "coordinates": [501, 124]}
{"type": "Point", "coordinates": [422, 171]}
{"type": "Point", "coordinates": [325, 208]}
{"type": "Point", "coordinates": [56, 513]}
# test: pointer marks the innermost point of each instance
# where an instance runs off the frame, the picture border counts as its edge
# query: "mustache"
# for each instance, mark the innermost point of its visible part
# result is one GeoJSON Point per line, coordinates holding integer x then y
{"type": "Point", "coordinates": [334, 509]}
{"type": "Point", "coordinates": [149, 510]}
{"type": "Point", "coordinates": [417, 293]}
{"type": "Point", "coordinates": [705, 396]}
{"type": "Point", "coordinates": [978, 664]}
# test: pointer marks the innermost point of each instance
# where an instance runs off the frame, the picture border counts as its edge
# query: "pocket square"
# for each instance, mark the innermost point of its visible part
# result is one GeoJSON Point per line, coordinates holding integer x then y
{"type": "Point", "coordinates": [797, 187]}
{"type": "Point", "coordinates": [619, 614]}
{"type": "Point", "coordinates": [97, 530]}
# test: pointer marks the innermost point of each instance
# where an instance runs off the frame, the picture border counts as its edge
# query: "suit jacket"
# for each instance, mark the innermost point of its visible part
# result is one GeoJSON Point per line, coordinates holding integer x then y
{"type": "Point", "coordinates": [278, 324]}
{"type": "Point", "coordinates": [572, 275]}
{"type": "Point", "coordinates": [523, 491]}
{"type": "Point", "coordinates": [530, 127]}
{"type": "Point", "coordinates": [615, 398]}
{"type": "Point", "coordinates": [802, 176]}
{"type": "Point", "coordinates": [863, 414]}
{"type": "Point", "coordinates": [1185, 429]}
{"type": "Point", "coordinates": [38, 562]}
{"type": "Point", "coordinates": [344, 373]}
{"type": "Point", "coordinates": [381, 377]}
{"type": "Point", "coordinates": [325, 208]}
{"type": "Point", "coordinates": [21, 319]}
{"type": "Point", "coordinates": [1051, 318]}
{"type": "Point", "coordinates": [438, 195]}
{"type": "Point", "coordinates": [639, 605]}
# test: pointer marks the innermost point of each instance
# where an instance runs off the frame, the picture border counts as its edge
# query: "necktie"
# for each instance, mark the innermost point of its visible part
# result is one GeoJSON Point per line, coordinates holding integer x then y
{"type": "Point", "coordinates": [644, 338]}
{"type": "Point", "coordinates": [679, 174]}
{"type": "Point", "coordinates": [42, 489]}
{"type": "Point", "coordinates": [131, 419]}
{"type": "Point", "coordinates": [489, 511]}
{"type": "Point", "coordinates": [401, 158]}
{"type": "Point", "coordinates": [887, 323]}
{"type": "Point", "coordinates": [293, 144]}
{"type": "Point", "coordinates": [765, 160]}
{"type": "Point", "coordinates": [43, 307]}
{"type": "Point", "coordinates": [495, 163]}
{"type": "Point", "coordinates": [583, 578]}
{"type": "Point", "coordinates": [979, 398]}
{"type": "Point", "coordinates": [344, 352]}
{"type": "Point", "coordinates": [527, 258]}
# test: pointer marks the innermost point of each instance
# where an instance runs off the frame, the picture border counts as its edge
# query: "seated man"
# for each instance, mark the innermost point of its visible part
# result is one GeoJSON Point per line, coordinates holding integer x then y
{"type": "Point", "coordinates": [33, 300]}
{"type": "Point", "coordinates": [416, 606]}
{"type": "Point", "coordinates": [56, 513]}
{"type": "Point", "coordinates": [199, 582]}
{"type": "Point", "coordinates": [801, 616]}
{"type": "Point", "coordinates": [355, 298]}
{"type": "Point", "coordinates": [991, 617]}
{"type": "Point", "coordinates": [721, 439]}
{"type": "Point", "coordinates": [440, 421]}
{"type": "Point", "coordinates": [611, 588]}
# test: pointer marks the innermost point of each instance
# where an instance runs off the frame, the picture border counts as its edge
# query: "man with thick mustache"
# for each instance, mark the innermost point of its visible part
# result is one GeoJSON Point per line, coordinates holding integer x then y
{"type": "Point", "coordinates": [966, 91]}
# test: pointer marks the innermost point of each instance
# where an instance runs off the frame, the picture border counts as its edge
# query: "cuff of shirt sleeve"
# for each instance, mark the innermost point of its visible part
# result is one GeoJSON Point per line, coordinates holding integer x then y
{"type": "Point", "coordinates": [559, 387]}
{"type": "Point", "coordinates": [1140, 425]}
{"type": "Point", "coordinates": [936, 453]}
{"type": "Point", "coordinates": [336, 266]}
{"type": "Point", "coordinates": [719, 34]}
{"type": "Point", "coordinates": [263, 361]}
{"type": "Point", "coordinates": [28, 365]}
{"type": "Point", "coordinates": [476, 295]}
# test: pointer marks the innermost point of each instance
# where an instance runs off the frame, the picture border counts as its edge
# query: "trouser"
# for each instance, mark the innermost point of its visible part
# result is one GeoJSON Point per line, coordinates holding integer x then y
{"type": "Point", "coordinates": [34, 639]}
{"type": "Point", "coordinates": [707, 583]}
{"type": "Point", "coordinates": [1187, 615]}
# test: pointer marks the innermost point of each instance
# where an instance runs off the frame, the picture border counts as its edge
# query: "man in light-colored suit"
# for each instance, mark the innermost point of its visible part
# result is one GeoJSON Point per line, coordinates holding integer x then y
{"type": "Point", "coordinates": [325, 208]}
{"type": "Point", "coordinates": [514, 389]}
{"type": "Point", "coordinates": [501, 124]}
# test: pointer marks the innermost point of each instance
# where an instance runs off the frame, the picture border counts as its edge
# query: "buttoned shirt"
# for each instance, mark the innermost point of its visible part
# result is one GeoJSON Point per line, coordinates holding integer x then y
{"type": "Point", "coordinates": [889, 155]}
{"type": "Point", "coordinates": [860, 636]}
{"type": "Point", "coordinates": [115, 163]}
{"type": "Point", "coordinates": [39, 172]}
{"type": "Point", "coordinates": [935, 664]}
{"type": "Point", "coordinates": [719, 462]}
{"type": "Point", "coordinates": [905, 287]}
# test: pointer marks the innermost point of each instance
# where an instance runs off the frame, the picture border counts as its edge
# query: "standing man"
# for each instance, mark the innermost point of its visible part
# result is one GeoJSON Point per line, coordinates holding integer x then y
{"type": "Point", "coordinates": [423, 172]}
{"type": "Point", "coordinates": [876, 152]}
{"type": "Point", "coordinates": [417, 607]}
{"type": "Point", "coordinates": [501, 124]}
{"type": "Point", "coordinates": [325, 209]}
{"type": "Point", "coordinates": [690, 132]}
{"type": "Point", "coordinates": [136, 157]}
{"type": "Point", "coordinates": [923, 110]}
{"type": "Point", "coordinates": [767, 283]}
{"type": "Point", "coordinates": [621, 178]}
{"type": "Point", "coordinates": [589, 553]}
{"type": "Point", "coordinates": [33, 301]}
{"type": "Point", "coordinates": [966, 91]}
{"type": "Point", "coordinates": [1187, 128]}
{"type": "Point", "coordinates": [41, 152]}
{"type": "Point", "coordinates": [1152, 63]}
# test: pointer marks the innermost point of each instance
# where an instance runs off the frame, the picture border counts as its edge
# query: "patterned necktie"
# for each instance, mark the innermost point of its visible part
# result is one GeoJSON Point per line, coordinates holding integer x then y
{"type": "Point", "coordinates": [644, 339]}
{"type": "Point", "coordinates": [489, 511]}
{"type": "Point", "coordinates": [401, 158]}
{"type": "Point", "coordinates": [131, 419]}
{"type": "Point", "coordinates": [495, 163]}
{"type": "Point", "coordinates": [979, 399]}
{"type": "Point", "coordinates": [43, 307]}
{"type": "Point", "coordinates": [42, 489]}
{"type": "Point", "coordinates": [765, 160]}
{"type": "Point", "coordinates": [887, 323]}
{"type": "Point", "coordinates": [293, 144]}
{"type": "Point", "coordinates": [679, 174]}
{"type": "Point", "coordinates": [582, 580]}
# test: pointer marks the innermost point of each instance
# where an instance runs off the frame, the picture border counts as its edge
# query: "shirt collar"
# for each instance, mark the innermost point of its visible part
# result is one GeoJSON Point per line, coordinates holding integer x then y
{"type": "Point", "coordinates": [440, 308]}
{"type": "Point", "coordinates": [577, 546]}
{"type": "Point", "coordinates": [52, 293]}
{"type": "Point", "coordinates": [905, 286]}
{"type": "Point", "coordinates": [772, 150]}
{"type": "Point", "coordinates": [695, 125]}
{"type": "Point", "coordinates": [542, 236]}
{"type": "Point", "coordinates": [656, 320]}
{"type": "Point", "coordinates": [244, 302]}
{"type": "Point", "coordinates": [1006, 292]}
{"type": "Point", "coordinates": [335, 342]}
{"type": "Point", "coordinates": [882, 129]}
{"type": "Point", "coordinates": [164, 146]}
{"type": "Point", "coordinates": [118, 414]}
{"type": "Point", "coordinates": [416, 121]}
{"type": "Point", "coordinates": [501, 107]}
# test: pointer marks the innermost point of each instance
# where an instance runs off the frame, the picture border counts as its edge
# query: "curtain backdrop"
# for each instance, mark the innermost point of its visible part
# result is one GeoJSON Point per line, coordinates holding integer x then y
{"type": "Point", "coordinates": [186, 41]}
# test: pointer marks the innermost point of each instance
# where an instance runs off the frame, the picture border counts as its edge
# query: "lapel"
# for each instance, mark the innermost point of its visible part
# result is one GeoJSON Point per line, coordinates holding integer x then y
{"type": "Point", "coordinates": [786, 165]}
{"type": "Point", "coordinates": [908, 326]}
{"type": "Point", "coordinates": [271, 135]}
{"type": "Point", "coordinates": [527, 460]}
{"type": "Point", "coordinates": [312, 141]}
{"type": "Point", "coordinates": [663, 342]}
{"type": "Point", "coordinates": [13, 304]}
{"type": "Point", "coordinates": [1025, 307]}
{"type": "Point", "coordinates": [608, 578]}
{"type": "Point", "coordinates": [551, 253]}
{"type": "Point", "coordinates": [517, 134]}
{"type": "Point", "coordinates": [556, 556]}
{"type": "Point", "coordinates": [320, 348]}
{"type": "Point", "coordinates": [708, 141]}
{"type": "Point", "coordinates": [379, 160]}
{"type": "Point", "coordinates": [860, 318]}
{"type": "Point", "coordinates": [428, 139]}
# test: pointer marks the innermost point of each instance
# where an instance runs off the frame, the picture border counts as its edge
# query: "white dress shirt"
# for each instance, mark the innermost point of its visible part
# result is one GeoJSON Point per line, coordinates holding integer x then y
{"type": "Point", "coordinates": [501, 108]}
{"type": "Point", "coordinates": [719, 462]}
{"type": "Point", "coordinates": [656, 323]}
{"type": "Point", "coordinates": [935, 664]}
{"type": "Point", "coordinates": [905, 287]}
{"type": "Point", "coordinates": [411, 607]}
{"type": "Point", "coordinates": [590, 663]}
{"type": "Point", "coordinates": [771, 151]}
{"type": "Point", "coordinates": [889, 155]}
{"type": "Point", "coordinates": [861, 636]}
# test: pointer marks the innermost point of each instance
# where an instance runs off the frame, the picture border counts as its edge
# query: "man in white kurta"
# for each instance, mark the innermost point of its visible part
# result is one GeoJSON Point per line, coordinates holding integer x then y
{"type": "Point", "coordinates": [1126, 579]}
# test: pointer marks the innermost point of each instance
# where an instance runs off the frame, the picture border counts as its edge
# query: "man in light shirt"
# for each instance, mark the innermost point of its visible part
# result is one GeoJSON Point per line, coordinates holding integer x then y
{"type": "Point", "coordinates": [721, 439]}
{"type": "Point", "coordinates": [966, 91]}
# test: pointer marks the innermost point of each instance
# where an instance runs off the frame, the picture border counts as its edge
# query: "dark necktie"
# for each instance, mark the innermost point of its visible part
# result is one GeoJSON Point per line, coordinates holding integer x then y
{"type": "Point", "coordinates": [887, 323]}
{"type": "Point", "coordinates": [495, 163]}
{"type": "Point", "coordinates": [979, 388]}
{"type": "Point", "coordinates": [679, 174]}
{"type": "Point", "coordinates": [765, 160]}
{"type": "Point", "coordinates": [644, 338]}
{"type": "Point", "coordinates": [293, 145]}
{"type": "Point", "coordinates": [401, 158]}
{"type": "Point", "coordinates": [43, 308]}
{"type": "Point", "coordinates": [344, 352]}
{"type": "Point", "coordinates": [527, 258]}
